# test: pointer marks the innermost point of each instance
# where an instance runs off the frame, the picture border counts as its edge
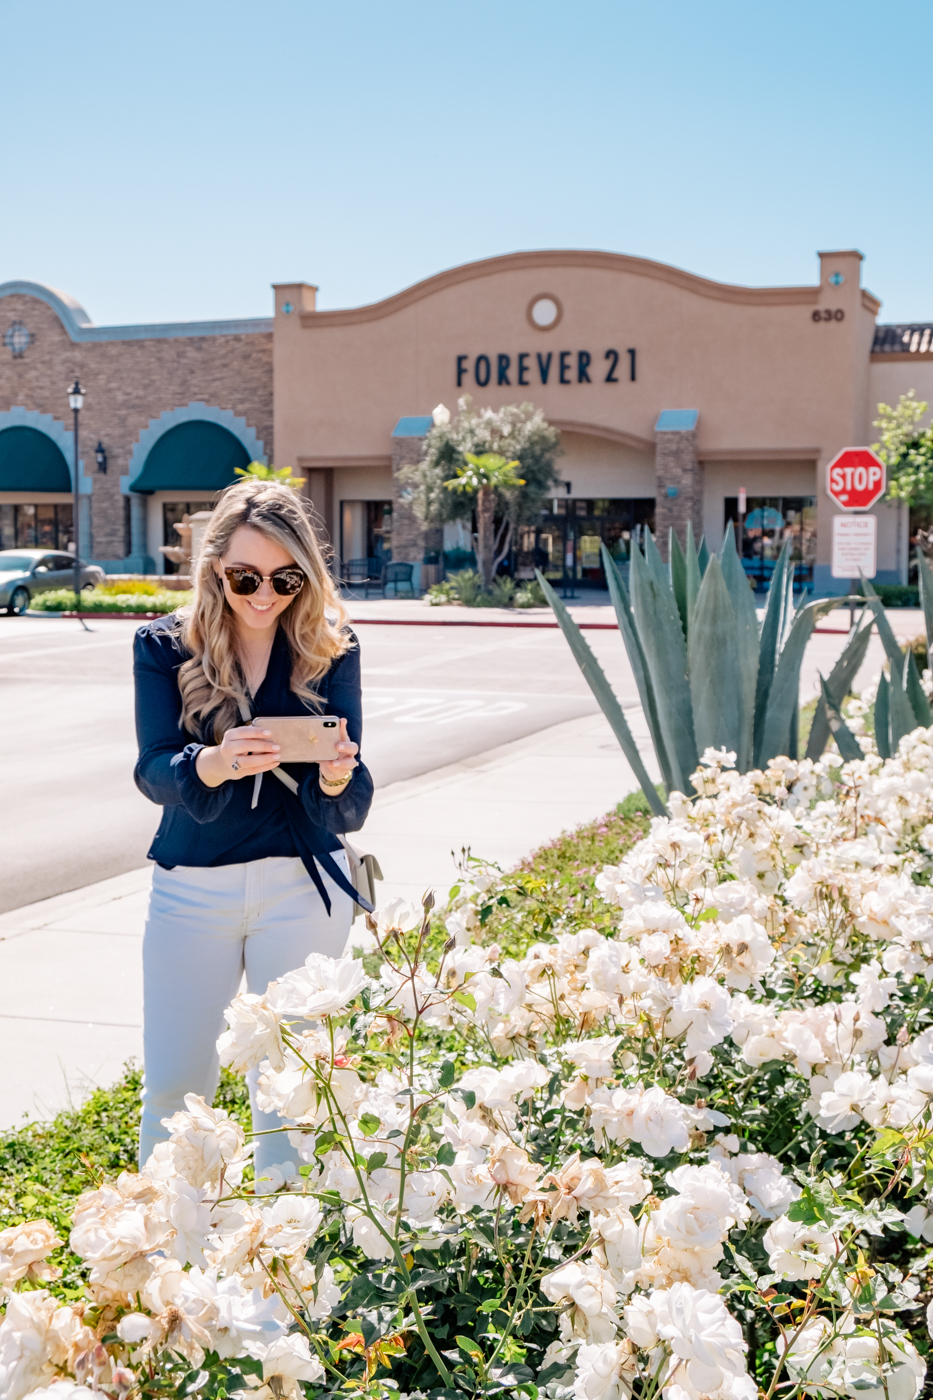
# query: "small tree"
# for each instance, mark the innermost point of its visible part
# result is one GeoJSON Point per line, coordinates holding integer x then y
{"type": "Point", "coordinates": [479, 480]}
{"type": "Point", "coordinates": [906, 451]}
{"type": "Point", "coordinates": [261, 472]}
{"type": "Point", "coordinates": [517, 433]}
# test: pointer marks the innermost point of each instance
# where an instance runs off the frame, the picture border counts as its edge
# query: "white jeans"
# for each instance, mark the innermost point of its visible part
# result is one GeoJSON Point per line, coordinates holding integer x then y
{"type": "Point", "coordinates": [204, 928]}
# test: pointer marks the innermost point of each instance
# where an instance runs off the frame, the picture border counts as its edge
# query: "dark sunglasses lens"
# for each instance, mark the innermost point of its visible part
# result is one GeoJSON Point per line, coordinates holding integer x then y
{"type": "Point", "coordinates": [287, 581]}
{"type": "Point", "coordinates": [243, 581]}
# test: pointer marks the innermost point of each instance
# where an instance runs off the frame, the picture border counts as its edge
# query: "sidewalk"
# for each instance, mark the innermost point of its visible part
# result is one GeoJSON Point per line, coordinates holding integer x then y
{"type": "Point", "coordinates": [70, 974]}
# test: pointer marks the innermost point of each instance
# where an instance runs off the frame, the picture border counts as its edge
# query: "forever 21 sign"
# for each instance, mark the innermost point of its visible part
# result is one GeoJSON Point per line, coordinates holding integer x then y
{"type": "Point", "coordinates": [554, 367]}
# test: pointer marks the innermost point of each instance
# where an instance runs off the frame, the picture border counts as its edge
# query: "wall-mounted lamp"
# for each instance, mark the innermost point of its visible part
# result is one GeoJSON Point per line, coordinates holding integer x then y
{"type": "Point", "coordinates": [567, 486]}
{"type": "Point", "coordinates": [101, 456]}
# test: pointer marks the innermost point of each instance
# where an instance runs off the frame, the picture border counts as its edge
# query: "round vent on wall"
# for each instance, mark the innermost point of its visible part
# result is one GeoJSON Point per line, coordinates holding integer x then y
{"type": "Point", "coordinates": [544, 312]}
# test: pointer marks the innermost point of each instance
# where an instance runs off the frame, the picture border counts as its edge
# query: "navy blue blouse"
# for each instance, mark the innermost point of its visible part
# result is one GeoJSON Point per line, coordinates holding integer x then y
{"type": "Point", "coordinates": [218, 826]}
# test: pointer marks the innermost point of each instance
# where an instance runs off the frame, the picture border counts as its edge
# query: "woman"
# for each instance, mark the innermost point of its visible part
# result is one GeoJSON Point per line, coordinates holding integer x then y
{"type": "Point", "coordinates": [249, 875]}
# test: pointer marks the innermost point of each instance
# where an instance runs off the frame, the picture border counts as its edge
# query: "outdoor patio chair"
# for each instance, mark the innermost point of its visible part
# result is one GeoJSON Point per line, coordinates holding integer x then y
{"type": "Point", "coordinates": [356, 572]}
{"type": "Point", "coordinates": [398, 576]}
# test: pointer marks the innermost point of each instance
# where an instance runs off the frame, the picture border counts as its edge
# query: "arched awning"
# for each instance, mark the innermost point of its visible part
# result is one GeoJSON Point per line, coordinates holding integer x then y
{"type": "Point", "coordinates": [31, 461]}
{"type": "Point", "coordinates": [196, 456]}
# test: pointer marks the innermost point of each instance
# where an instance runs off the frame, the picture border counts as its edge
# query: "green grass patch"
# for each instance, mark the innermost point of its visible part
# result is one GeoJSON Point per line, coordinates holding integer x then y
{"type": "Point", "coordinates": [164, 600]}
{"type": "Point", "coordinates": [44, 1166]}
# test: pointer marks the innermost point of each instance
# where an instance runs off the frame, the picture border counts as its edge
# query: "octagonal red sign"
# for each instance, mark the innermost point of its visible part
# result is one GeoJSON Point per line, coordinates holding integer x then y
{"type": "Point", "coordinates": [856, 478]}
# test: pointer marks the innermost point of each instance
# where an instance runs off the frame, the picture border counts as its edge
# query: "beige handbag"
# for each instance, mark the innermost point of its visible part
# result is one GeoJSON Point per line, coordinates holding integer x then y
{"type": "Point", "coordinates": [364, 869]}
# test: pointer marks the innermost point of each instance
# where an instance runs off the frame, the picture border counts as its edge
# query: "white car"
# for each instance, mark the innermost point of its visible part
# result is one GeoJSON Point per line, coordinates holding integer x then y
{"type": "Point", "coordinates": [26, 572]}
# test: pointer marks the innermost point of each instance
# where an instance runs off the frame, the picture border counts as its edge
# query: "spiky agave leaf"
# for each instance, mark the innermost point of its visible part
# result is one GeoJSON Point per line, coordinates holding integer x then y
{"type": "Point", "coordinates": [677, 566]}
{"type": "Point", "coordinates": [770, 638]}
{"type": "Point", "coordinates": [623, 609]}
{"type": "Point", "coordinates": [883, 717]}
{"type": "Point", "coordinates": [925, 579]}
{"type": "Point", "coordinates": [775, 737]}
{"type": "Point", "coordinates": [846, 742]}
{"type": "Point", "coordinates": [746, 622]}
{"type": "Point", "coordinates": [605, 696]}
{"type": "Point", "coordinates": [665, 648]}
{"type": "Point", "coordinates": [692, 566]}
{"type": "Point", "coordinates": [903, 719]}
{"type": "Point", "coordinates": [716, 668]}
{"type": "Point", "coordinates": [838, 684]}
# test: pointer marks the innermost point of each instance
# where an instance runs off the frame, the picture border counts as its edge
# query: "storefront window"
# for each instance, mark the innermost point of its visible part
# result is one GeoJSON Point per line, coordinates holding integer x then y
{"type": "Point", "coordinates": [38, 526]}
{"type": "Point", "coordinates": [769, 522]}
{"type": "Point", "coordinates": [366, 531]}
{"type": "Point", "coordinates": [567, 543]}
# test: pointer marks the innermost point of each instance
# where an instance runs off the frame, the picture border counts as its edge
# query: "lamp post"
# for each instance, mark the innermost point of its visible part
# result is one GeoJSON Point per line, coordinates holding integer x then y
{"type": "Point", "coordinates": [75, 402]}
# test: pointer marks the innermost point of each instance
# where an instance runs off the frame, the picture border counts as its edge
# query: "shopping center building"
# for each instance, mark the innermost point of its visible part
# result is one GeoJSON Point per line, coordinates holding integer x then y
{"type": "Point", "coordinates": [672, 394]}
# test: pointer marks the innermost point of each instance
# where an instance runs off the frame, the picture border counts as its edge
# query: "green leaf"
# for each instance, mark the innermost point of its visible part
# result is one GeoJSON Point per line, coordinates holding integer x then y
{"type": "Point", "coordinates": [626, 620]}
{"type": "Point", "coordinates": [692, 568]}
{"type": "Point", "coordinates": [839, 682]}
{"type": "Point", "coordinates": [770, 639]}
{"type": "Point", "coordinates": [602, 690]}
{"type": "Point", "coordinates": [369, 1124]}
{"type": "Point", "coordinates": [712, 649]}
{"type": "Point", "coordinates": [746, 621]}
{"type": "Point", "coordinates": [885, 631]}
{"type": "Point", "coordinates": [903, 720]}
{"type": "Point", "coordinates": [665, 648]}
{"type": "Point", "coordinates": [925, 579]}
{"type": "Point", "coordinates": [468, 1096]}
{"type": "Point", "coordinates": [446, 1156]}
{"type": "Point", "coordinates": [846, 742]}
{"type": "Point", "coordinates": [785, 687]}
{"type": "Point", "coordinates": [377, 1160]}
{"type": "Point", "coordinates": [703, 556]}
{"type": "Point", "coordinates": [915, 693]}
{"type": "Point", "coordinates": [466, 999]}
{"type": "Point", "coordinates": [489, 1305]}
{"type": "Point", "coordinates": [888, 1141]}
{"type": "Point", "coordinates": [471, 1350]}
{"type": "Point", "coordinates": [677, 566]}
{"type": "Point", "coordinates": [447, 1075]}
{"type": "Point", "coordinates": [883, 717]}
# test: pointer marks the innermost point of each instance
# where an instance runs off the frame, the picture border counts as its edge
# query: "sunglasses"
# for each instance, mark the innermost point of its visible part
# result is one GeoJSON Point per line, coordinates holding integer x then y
{"type": "Point", "coordinates": [244, 581]}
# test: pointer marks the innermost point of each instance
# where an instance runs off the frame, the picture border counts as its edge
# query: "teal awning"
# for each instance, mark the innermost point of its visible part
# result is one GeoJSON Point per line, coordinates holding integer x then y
{"type": "Point", "coordinates": [31, 461]}
{"type": "Point", "coordinates": [194, 456]}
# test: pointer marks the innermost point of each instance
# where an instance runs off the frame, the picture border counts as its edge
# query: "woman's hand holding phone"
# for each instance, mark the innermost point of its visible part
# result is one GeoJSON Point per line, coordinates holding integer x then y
{"type": "Point", "coordinates": [338, 769]}
{"type": "Point", "coordinates": [242, 752]}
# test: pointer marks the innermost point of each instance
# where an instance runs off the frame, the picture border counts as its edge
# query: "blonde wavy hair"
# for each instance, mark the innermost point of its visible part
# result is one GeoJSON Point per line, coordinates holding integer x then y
{"type": "Point", "coordinates": [212, 681]}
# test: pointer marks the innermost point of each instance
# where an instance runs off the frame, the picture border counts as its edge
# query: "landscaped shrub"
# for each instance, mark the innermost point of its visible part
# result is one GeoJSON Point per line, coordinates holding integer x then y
{"type": "Point", "coordinates": [687, 1152]}
{"type": "Point", "coordinates": [898, 595]}
{"type": "Point", "coordinates": [100, 600]}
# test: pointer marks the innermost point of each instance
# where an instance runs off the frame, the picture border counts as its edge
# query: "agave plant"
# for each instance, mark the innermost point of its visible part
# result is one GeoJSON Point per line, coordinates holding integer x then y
{"type": "Point", "coordinates": [901, 704]}
{"type": "Point", "coordinates": [707, 673]}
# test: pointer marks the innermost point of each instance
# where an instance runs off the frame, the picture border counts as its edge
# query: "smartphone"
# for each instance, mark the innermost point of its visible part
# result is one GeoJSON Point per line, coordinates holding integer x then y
{"type": "Point", "coordinates": [302, 738]}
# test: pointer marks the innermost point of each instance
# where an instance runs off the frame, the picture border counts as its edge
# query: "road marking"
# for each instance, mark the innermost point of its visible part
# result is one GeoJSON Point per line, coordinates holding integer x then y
{"type": "Point", "coordinates": [52, 651]}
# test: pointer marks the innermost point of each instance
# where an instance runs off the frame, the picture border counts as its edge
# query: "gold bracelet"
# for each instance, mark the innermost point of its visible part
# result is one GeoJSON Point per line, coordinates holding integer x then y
{"type": "Point", "coordinates": [335, 782]}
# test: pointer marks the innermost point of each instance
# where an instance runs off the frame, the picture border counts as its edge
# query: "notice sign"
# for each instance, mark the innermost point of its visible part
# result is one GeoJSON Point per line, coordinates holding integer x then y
{"type": "Point", "coordinates": [855, 539]}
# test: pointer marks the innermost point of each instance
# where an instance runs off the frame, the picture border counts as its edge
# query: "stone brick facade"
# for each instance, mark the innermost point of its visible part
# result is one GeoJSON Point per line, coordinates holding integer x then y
{"type": "Point", "coordinates": [678, 472]}
{"type": "Point", "coordinates": [127, 383]}
{"type": "Point", "coordinates": [410, 539]}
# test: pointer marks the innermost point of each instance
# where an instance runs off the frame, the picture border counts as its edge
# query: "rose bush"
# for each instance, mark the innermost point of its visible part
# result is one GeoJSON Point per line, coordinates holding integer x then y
{"type": "Point", "coordinates": [687, 1153]}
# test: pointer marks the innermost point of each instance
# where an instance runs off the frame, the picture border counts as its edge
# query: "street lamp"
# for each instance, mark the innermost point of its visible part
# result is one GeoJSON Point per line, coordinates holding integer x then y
{"type": "Point", "coordinates": [75, 403]}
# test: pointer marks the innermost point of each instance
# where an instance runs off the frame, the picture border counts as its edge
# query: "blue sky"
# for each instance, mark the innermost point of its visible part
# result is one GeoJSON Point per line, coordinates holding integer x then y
{"type": "Point", "coordinates": [170, 161]}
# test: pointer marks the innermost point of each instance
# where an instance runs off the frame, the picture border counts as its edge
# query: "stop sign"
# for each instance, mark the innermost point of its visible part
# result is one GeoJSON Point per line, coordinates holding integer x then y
{"type": "Point", "coordinates": [855, 478]}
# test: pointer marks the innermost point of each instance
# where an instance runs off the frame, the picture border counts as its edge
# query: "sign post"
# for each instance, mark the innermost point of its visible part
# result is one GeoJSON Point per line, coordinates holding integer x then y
{"type": "Point", "coordinates": [855, 479]}
{"type": "Point", "coordinates": [743, 507]}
